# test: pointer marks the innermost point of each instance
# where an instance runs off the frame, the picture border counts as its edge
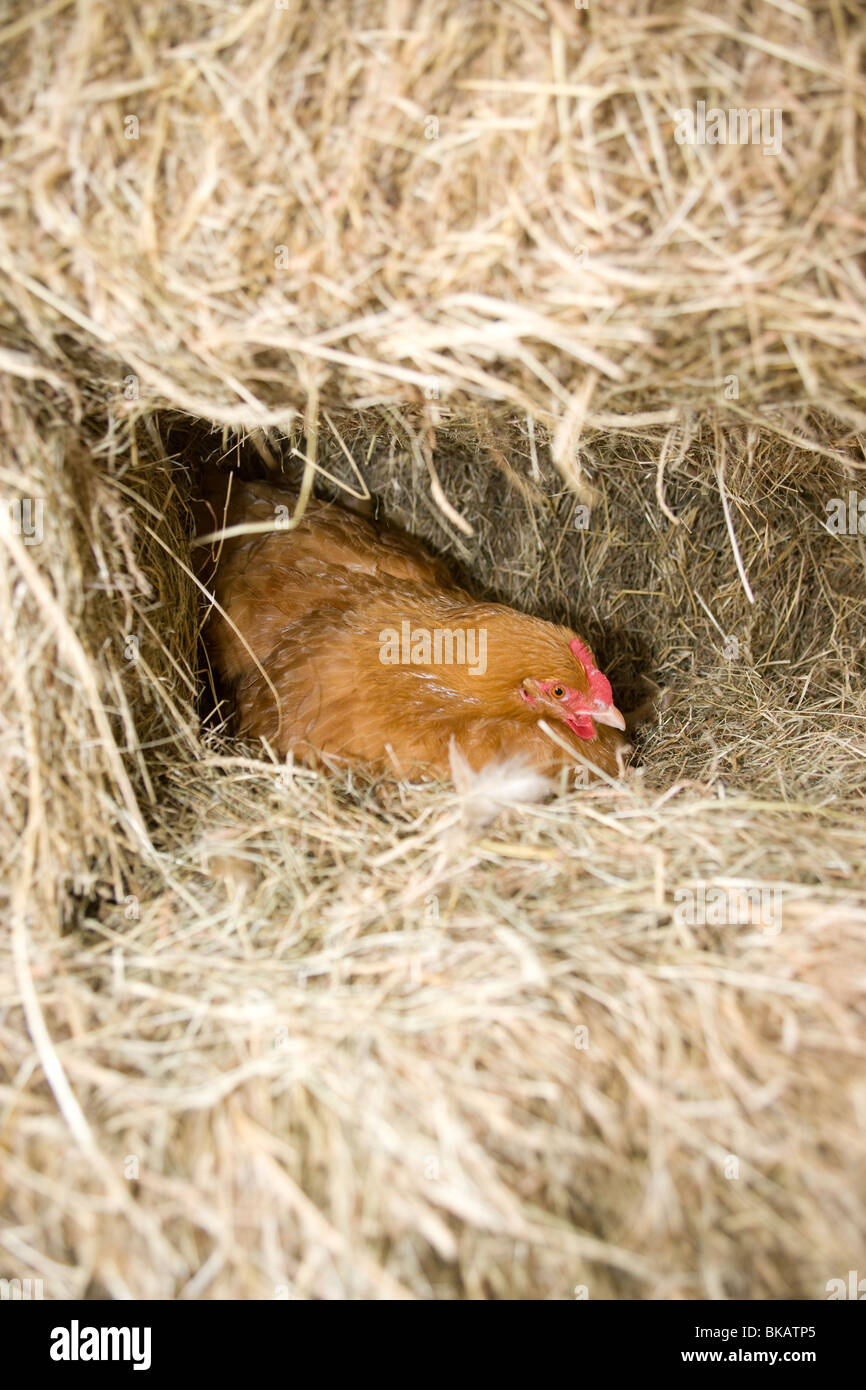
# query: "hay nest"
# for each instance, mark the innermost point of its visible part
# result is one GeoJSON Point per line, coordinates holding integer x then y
{"type": "Point", "coordinates": [272, 1033]}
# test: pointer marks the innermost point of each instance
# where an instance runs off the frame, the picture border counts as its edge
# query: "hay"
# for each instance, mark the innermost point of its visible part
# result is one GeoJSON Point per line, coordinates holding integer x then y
{"type": "Point", "coordinates": [270, 1033]}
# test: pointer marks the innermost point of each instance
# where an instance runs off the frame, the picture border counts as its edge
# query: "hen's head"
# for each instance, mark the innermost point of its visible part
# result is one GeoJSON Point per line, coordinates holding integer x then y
{"type": "Point", "coordinates": [581, 697]}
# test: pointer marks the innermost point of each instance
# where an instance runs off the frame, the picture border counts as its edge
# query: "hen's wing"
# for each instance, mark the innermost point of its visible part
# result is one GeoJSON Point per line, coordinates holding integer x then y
{"type": "Point", "coordinates": [326, 532]}
{"type": "Point", "coordinates": [266, 582]}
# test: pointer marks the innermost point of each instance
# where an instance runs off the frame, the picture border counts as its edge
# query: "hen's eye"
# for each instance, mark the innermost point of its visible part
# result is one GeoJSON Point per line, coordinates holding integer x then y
{"type": "Point", "coordinates": [557, 692]}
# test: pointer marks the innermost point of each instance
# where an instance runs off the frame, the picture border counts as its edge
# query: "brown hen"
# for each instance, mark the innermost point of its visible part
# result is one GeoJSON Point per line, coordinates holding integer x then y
{"type": "Point", "coordinates": [343, 640]}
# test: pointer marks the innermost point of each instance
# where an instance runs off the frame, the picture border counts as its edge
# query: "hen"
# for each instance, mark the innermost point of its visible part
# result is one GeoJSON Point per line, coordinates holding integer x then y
{"type": "Point", "coordinates": [343, 640]}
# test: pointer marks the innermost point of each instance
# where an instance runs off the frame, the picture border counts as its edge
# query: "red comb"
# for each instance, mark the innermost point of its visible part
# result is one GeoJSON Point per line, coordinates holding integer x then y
{"type": "Point", "coordinates": [599, 685]}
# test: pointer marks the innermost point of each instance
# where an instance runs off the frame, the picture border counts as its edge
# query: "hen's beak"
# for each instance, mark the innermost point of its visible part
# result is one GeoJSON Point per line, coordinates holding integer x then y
{"type": "Point", "coordinates": [609, 714]}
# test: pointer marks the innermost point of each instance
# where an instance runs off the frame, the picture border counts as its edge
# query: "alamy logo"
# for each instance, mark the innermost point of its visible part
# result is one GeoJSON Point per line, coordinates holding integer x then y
{"type": "Point", "coordinates": [733, 906]}
{"type": "Point", "coordinates": [440, 646]}
{"type": "Point", "coordinates": [846, 518]}
{"type": "Point", "coordinates": [20, 1289]}
{"type": "Point", "coordinates": [735, 126]}
{"type": "Point", "coordinates": [75, 1343]}
{"type": "Point", "coordinates": [22, 516]}
{"type": "Point", "coordinates": [855, 1289]}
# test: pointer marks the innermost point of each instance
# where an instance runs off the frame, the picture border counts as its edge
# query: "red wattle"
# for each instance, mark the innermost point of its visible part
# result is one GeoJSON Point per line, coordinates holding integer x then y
{"type": "Point", "coordinates": [581, 725]}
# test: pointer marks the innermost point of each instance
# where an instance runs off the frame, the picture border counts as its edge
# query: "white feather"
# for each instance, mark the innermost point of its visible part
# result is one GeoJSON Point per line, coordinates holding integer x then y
{"type": "Point", "coordinates": [507, 782]}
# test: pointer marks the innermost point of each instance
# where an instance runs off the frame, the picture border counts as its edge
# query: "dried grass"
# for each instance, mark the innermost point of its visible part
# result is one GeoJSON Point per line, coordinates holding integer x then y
{"type": "Point", "coordinates": [265, 1032]}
